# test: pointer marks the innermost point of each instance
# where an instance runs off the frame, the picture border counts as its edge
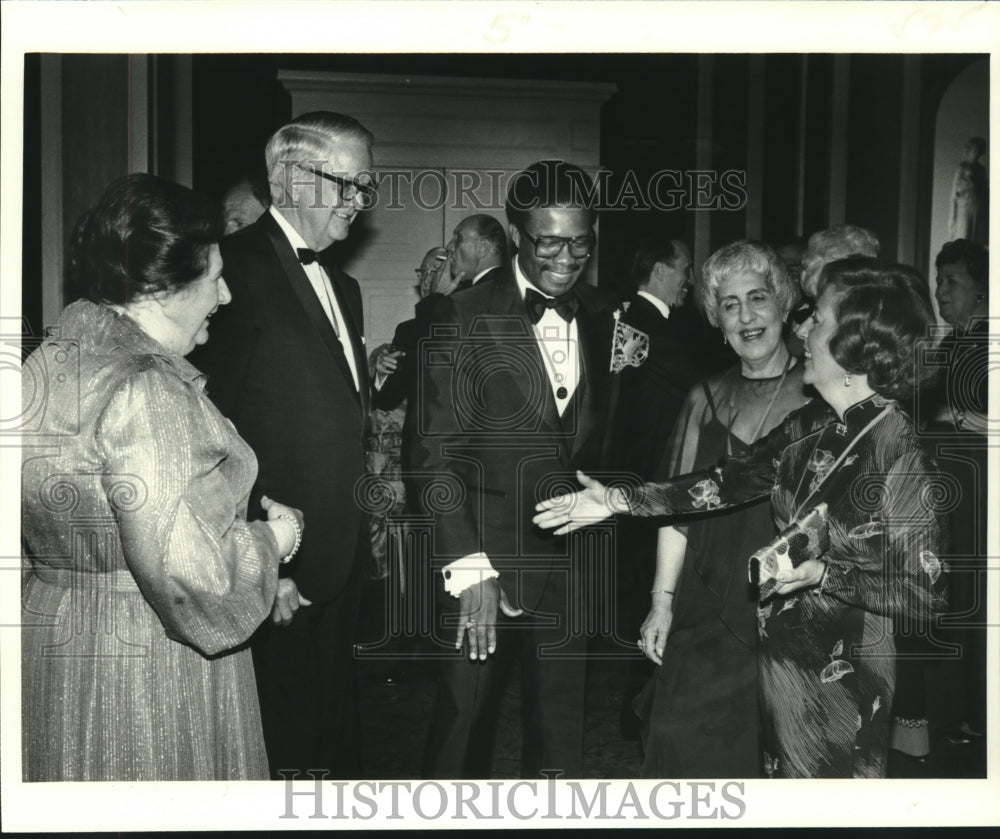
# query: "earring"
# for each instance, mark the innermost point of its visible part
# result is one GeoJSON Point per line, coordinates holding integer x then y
{"type": "Point", "coordinates": [725, 340]}
{"type": "Point", "coordinates": [847, 380]}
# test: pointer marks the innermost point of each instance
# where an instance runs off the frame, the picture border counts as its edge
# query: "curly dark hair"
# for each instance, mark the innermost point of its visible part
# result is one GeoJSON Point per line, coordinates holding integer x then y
{"type": "Point", "coordinates": [975, 258]}
{"type": "Point", "coordinates": [882, 322]}
{"type": "Point", "coordinates": [145, 235]}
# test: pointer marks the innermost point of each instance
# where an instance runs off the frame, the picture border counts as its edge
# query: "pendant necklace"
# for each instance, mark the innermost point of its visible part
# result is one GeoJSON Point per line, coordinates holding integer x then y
{"type": "Point", "coordinates": [767, 411]}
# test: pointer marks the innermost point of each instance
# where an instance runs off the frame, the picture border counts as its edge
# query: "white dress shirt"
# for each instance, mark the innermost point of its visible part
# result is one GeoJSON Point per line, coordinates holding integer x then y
{"type": "Point", "coordinates": [321, 285]}
{"type": "Point", "coordinates": [559, 345]}
{"type": "Point", "coordinates": [661, 307]}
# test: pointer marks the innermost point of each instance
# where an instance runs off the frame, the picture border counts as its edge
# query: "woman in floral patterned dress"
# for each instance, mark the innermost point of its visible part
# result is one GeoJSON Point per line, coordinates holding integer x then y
{"type": "Point", "coordinates": [827, 656]}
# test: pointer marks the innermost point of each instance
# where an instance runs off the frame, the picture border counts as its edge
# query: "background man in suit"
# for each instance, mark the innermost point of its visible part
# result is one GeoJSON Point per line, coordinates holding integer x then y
{"type": "Point", "coordinates": [651, 395]}
{"type": "Point", "coordinates": [514, 398]}
{"type": "Point", "coordinates": [395, 363]}
{"type": "Point", "coordinates": [478, 248]}
{"type": "Point", "coordinates": [287, 365]}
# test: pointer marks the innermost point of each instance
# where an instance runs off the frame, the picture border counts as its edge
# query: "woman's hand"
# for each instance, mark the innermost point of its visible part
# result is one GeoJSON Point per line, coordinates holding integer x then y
{"type": "Point", "coordinates": [284, 531]}
{"type": "Point", "coordinates": [654, 630]}
{"type": "Point", "coordinates": [809, 573]}
{"type": "Point", "coordinates": [594, 503]}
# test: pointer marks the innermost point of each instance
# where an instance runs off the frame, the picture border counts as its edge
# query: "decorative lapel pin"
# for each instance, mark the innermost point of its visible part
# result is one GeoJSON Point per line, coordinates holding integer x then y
{"type": "Point", "coordinates": [630, 346]}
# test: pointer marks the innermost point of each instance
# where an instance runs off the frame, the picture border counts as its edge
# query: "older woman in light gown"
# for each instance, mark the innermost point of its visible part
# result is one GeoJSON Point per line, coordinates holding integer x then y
{"type": "Point", "coordinates": [142, 575]}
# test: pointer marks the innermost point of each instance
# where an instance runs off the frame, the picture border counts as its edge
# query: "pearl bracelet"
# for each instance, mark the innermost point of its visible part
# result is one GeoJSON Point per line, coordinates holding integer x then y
{"type": "Point", "coordinates": [298, 539]}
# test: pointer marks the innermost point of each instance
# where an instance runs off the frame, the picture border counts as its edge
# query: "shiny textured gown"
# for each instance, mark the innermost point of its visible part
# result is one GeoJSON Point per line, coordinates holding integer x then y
{"type": "Point", "coordinates": [141, 573]}
{"type": "Point", "coordinates": [699, 711]}
{"type": "Point", "coordinates": [827, 656]}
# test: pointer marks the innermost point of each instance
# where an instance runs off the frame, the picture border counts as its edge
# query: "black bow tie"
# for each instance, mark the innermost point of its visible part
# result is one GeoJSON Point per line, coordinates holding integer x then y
{"type": "Point", "coordinates": [565, 305]}
{"type": "Point", "coordinates": [307, 256]}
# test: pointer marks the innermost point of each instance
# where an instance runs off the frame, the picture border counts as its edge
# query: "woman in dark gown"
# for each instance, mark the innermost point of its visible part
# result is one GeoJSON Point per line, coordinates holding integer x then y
{"type": "Point", "coordinates": [827, 657]}
{"type": "Point", "coordinates": [699, 710]}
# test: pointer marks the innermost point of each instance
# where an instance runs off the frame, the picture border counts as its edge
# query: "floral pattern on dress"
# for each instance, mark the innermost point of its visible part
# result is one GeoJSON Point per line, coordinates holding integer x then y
{"type": "Point", "coordinates": [705, 494]}
{"type": "Point", "coordinates": [819, 462]}
{"type": "Point", "coordinates": [882, 566]}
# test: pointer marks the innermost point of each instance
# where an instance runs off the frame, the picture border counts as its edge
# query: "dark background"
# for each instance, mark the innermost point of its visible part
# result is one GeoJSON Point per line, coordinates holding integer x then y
{"type": "Point", "coordinates": [649, 125]}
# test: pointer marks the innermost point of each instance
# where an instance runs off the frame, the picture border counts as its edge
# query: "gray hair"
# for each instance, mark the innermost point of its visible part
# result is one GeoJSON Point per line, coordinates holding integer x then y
{"type": "Point", "coordinates": [745, 256]}
{"type": "Point", "coordinates": [831, 244]}
{"type": "Point", "coordinates": [309, 137]}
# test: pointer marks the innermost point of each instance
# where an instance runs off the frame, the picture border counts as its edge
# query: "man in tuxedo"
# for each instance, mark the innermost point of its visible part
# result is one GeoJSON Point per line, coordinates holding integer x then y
{"type": "Point", "coordinates": [287, 365]}
{"type": "Point", "coordinates": [681, 353]}
{"type": "Point", "coordinates": [513, 399]}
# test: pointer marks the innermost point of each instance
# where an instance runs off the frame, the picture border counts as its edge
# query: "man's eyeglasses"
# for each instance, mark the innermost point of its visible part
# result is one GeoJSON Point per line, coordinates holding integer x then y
{"type": "Point", "coordinates": [549, 246]}
{"type": "Point", "coordinates": [364, 182]}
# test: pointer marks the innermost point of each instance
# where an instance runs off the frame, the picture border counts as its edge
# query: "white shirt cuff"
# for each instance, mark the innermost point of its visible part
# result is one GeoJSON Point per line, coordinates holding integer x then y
{"type": "Point", "coordinates": [380, 380]}
{"type": "Point", "coordinates": [467, 571]}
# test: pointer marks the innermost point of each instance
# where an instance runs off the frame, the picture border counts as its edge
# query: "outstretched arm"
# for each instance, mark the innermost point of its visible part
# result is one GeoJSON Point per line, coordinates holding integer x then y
{"type": "Point", "coordinates": [737, 479]}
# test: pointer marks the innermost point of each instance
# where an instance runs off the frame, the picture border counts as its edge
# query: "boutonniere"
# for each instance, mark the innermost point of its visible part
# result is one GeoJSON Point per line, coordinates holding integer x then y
{"type": "Point", "coordinates": [629, 346]}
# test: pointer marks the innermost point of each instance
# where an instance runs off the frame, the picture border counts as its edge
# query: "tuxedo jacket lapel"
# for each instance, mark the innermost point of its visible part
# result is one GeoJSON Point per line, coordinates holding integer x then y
{"type": "Point", "coordinates": [588, 355]}
{"type": "Point", "coordinates": [350, 307]}
{"type": "Point", "coordinates": [307, 297]}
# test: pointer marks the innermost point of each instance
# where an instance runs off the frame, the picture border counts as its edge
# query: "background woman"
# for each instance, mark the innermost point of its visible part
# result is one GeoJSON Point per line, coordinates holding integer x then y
{"type": "Point", "coordinates": [827, 664]}
{"type": "Point", "coordinates": [700, 707]}
{"type": "Point", "coordinates": [143, 573]}
{"type": "Point", "coordinates": [963, 299]}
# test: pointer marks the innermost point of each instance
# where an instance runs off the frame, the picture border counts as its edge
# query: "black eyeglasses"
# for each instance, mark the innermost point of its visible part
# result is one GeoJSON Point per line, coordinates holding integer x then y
{"type": "Point", "coordinates": [549, 246]}
{"type": "Point", "coordinates": [364, 182]}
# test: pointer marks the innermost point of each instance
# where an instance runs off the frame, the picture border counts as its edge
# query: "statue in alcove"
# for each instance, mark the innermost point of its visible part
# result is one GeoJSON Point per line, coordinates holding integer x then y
{"type": "Point", "coordinates": [969, 216]}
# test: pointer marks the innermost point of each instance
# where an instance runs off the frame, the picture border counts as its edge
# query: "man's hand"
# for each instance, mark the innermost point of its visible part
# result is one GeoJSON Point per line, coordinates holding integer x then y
{"type": "Point", "coordinates": [386, 360]}
{"type": "Point", "coordinates": [443, 282]}
{"type": "Point", "coordinates": [287, 601]}
{"type": "Point", "coordinates": [477, 607]}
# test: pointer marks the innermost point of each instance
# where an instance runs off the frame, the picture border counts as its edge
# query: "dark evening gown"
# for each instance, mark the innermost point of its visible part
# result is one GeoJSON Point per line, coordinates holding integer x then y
{"type": "Point", "coordinates": [827, 656]}
{"type": "Point", "coordinates": [699, 711]}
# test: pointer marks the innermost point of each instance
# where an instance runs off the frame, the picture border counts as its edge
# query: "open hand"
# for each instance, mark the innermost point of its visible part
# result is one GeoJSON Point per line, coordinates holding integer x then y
{"type": "Point", "coordinates": [594, 503]}
{"type": "Point", "coordinates": [478, 617]}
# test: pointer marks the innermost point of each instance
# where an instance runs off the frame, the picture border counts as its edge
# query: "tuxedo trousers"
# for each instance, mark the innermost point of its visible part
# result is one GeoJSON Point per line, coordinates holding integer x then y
{"type": "Point", "coordinates": [307, 684]}
{"type": "Point", "coordinates": [550, 648]}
